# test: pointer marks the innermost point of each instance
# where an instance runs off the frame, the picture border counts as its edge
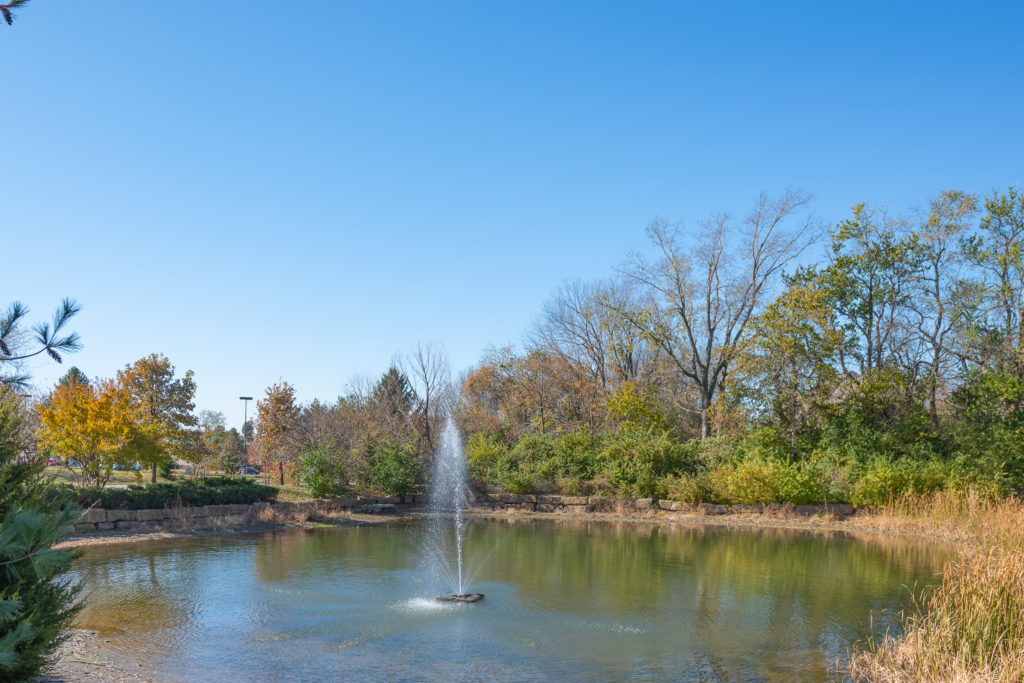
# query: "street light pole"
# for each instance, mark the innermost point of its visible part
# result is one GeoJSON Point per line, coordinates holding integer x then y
{"type": "Point", "coordinates": [245, 419]}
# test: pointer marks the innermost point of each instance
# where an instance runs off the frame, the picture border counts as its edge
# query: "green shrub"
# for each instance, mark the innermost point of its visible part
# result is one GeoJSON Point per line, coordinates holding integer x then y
{"type": "Point", "coordinates": [765, 481]}
{"type": "Point", "coordinates": [517, 482]}
{"type": "Point", "coordinates": [394, 468]}
{"type": "Point", "coordinates": [989, 434]}
{"type": "Point", "coordinates": [881, 480]}
{"type": "Point", "coordinates": [535, 457]}
{"type": "Point", "coordinates": [322, 471]}
{"type": "Point", "coordinates": [577, 453]}
{"type": "Point", "coordinates": [636, 462]}
{"type": "Point", "coordinates": [166, 467]}
{"type": "Point", "coordinates": [187, 493]}
{"type": "Point", "coordinates": [687, 488]}
{"type": "Point", "coordinates": [536, 461]}
{"type": "Point", "coordinates": [485, 455]}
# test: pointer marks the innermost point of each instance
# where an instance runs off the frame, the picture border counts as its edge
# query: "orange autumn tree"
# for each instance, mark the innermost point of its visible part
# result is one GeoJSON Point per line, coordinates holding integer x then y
{"type": "Point", "coordinates": [91, 424]}
{"type": "Point", "coordinates": [277, 419]}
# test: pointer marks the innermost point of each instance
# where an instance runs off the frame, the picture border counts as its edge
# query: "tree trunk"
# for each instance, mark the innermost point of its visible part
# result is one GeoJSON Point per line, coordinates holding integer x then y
{"type": "Point", "coordinates": [153, 478]}
{"type": "Point", "coordinates": [933, 410]}
{"type": "Point", "coordinates": [705, 423]}
{"type": "Point", "coordinates": [280, 469]}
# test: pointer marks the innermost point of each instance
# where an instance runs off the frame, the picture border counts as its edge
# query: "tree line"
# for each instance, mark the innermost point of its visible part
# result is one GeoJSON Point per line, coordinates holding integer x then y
{"type": "Point", "coordinates": [876, 356]}
{"type": "Point", "coordinates": [758, 359]}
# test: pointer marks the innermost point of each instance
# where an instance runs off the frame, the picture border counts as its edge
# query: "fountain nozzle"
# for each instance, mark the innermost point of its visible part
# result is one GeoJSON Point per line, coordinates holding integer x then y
{"type": "Point", "coordinates": [464, 597]}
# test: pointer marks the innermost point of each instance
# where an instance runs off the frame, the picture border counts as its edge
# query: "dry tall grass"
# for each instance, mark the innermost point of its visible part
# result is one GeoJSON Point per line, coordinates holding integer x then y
{"type": "Point", "coordinates": [971, 627]}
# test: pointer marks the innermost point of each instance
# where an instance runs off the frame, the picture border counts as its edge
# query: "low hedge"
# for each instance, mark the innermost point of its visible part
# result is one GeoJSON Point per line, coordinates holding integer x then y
{"type": "Point", "coordinates": [188, 493]}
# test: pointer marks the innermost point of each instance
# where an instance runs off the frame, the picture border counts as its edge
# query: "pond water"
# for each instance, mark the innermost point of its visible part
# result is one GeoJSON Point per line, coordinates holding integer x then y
{"type": "Point", "coordinates": [565, 601]}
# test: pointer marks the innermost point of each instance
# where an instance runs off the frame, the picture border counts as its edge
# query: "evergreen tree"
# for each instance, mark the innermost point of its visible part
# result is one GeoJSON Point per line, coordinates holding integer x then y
{"type": "Point", "coordinates": [36, 603]}
{"type": "Point", "coordinates": [394, 393]}
{"type": "Point", "coordinates": [73, 376]}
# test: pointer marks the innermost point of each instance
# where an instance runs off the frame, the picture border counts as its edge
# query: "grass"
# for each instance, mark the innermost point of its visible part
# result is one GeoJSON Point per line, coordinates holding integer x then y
{"type": "Point", "coordinates": [61, 474]}
{"type": "Point", "coordinates": [291, 493]}
{"type": "Point", "coordinates": [971, 627]}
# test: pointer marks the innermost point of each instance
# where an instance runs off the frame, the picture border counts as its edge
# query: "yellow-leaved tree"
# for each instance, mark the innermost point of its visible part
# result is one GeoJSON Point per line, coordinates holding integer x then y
{"type": "Point", "coordinates": [92, 425]}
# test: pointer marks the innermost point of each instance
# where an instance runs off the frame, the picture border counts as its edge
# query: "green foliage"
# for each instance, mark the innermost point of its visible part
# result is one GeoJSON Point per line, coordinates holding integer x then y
{"type": "Point", "coordinates": [73, 376]}
{"type": "Point", "coordinates": [535, 462]}
{"type": "Point", "coordinates": [394, 468]}
{"type": "Point", "coordinates": [630, 406]}
{"type": "Point", "coordinates": [990, 432]}
{"type": "Point", "coordinates": [228, 449]}
{"type": "Point", "coordinates": [36, 604]}
{"type": "Point", "coordinates": [485, 454]}
{"type": "Point", "coordinates": [881, 480]}
{"type": "Point", "coordinates": [394, 393]}
{"type": "Point", "coordinates": [165, 468]}
{"type": "Point", "coordinates": [636, 461]}
{"type": "Point", "coordinates": [688, 488]}
{"type": "Point", "coordinates": [766, 481]}
{"type": "Point", "coordinates": [322, 471]}
{"type": "Point", "coordinates": [187, 493]}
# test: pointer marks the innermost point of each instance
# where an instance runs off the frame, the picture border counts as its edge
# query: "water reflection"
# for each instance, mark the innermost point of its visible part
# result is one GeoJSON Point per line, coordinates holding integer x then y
{"type": "Point", "coordinates": [565, 600]}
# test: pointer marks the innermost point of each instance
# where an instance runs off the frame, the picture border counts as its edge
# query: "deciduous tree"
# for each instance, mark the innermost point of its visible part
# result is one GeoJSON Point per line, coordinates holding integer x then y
{"type": "Point", "coordinates": [430, 371]}
{"type": "Point", "coordinates": [277, 422]}
{"type": "Point", "coordinates": [91, 425]}
{"type": "Point", "coordinates": [166, 427]}
{"type": "Point", "coordinates": [705, 291]}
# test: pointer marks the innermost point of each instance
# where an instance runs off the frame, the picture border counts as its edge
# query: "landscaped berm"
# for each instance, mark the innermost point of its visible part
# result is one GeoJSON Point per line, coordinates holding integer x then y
{"type": "Point", "coordinates": [512, 341]}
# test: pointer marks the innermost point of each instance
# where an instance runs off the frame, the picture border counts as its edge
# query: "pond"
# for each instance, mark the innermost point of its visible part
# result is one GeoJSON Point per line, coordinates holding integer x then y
{"type": "Point", "coordinates": [565, 600]}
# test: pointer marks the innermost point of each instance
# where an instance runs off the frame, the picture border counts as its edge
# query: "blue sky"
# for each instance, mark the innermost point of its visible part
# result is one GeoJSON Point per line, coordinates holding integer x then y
{"type": "Point", "coordinates": [299, 191]}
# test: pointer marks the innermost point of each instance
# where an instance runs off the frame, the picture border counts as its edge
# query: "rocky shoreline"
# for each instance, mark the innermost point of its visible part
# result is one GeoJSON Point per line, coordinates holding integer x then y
{"type": "Point", "coordinates": [86, 656]}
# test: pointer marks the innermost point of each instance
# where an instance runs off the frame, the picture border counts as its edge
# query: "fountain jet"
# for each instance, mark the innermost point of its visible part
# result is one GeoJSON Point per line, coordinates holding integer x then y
{"type": "Point", "coordinates": [448, 503]}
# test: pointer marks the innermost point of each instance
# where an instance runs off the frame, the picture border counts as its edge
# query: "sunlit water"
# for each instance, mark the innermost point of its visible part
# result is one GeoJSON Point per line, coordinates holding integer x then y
{"type": "Point", "coordinates": [565, 601]}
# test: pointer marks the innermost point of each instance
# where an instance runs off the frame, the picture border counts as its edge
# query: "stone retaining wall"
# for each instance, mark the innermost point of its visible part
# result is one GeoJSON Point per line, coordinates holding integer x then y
{"type": "Point", "coordinates": [584, 504]}
{"type": "Point", "coordinates": [226, 516]}
{"type": "Point", "coordinates": [211, 516]}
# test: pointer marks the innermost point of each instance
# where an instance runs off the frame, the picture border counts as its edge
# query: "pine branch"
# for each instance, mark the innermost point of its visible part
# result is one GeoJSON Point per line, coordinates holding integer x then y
{"type": "Point", "coordinates": [6, 8]}
{"type": "Point", "coordinates": [47, 335]}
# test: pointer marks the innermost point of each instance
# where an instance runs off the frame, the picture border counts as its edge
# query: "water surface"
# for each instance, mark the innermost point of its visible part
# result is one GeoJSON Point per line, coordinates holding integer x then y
{"type": "Point", "coordinates": [565, 601]}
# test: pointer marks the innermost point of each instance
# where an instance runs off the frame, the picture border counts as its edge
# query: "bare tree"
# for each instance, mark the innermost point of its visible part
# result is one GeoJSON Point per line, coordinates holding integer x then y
{"type": "Point", "coordinates": [704, 295]}
{"type": "Point", "coordinates": [573, 327]}
{"type": "Point", "coordinates": [581, 327]}
{"type": "Point", "coordinates": [943, 298]}
{"type": "Point", "coordinates": [430, 371]}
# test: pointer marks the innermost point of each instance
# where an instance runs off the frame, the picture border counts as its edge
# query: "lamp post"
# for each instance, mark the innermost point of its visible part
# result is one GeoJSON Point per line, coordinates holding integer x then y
{"type": "Point", "coordinates": [245, 418]}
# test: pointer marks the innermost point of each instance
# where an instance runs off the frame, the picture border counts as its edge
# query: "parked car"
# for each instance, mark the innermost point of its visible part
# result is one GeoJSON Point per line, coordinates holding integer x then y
{"type": "Point", "coordinates": [250, 470]}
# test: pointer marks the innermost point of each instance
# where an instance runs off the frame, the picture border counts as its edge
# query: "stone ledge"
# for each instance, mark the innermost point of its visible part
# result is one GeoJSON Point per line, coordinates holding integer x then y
{"type": "Point", "coordinates": [94, 516]}
{"type": "Point", "coordinates": [120, 515]}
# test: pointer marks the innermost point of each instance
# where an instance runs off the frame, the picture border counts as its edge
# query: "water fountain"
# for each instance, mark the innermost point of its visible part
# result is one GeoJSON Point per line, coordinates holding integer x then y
{"type": "Point", "coordinates": [447, 527]}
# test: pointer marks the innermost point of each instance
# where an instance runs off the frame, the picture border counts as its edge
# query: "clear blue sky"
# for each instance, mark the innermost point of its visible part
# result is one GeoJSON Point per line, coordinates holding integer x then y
{"type": "Point", "coordinates": [265, 190]}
